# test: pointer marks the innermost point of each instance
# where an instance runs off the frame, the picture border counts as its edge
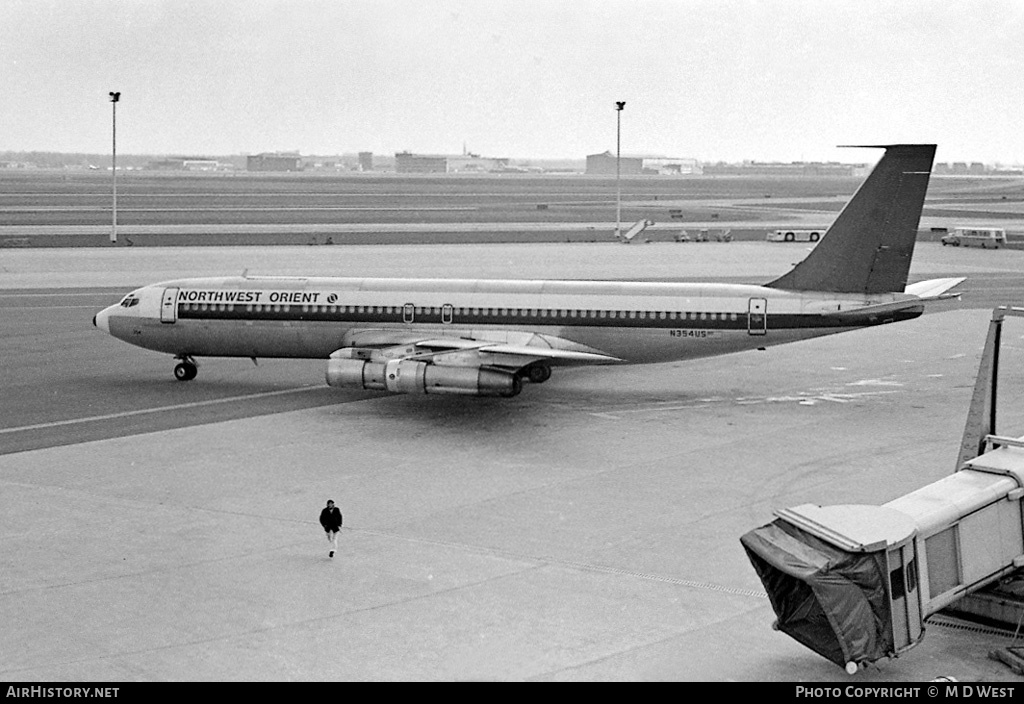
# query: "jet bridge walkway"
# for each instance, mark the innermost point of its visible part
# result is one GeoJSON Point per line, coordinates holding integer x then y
{"type": "Point", "coordinates": [856, 583]}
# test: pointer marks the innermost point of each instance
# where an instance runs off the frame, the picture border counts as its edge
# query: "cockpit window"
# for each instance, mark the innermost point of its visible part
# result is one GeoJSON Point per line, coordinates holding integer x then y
{"type": "Point", "coordinates": [129, 301]}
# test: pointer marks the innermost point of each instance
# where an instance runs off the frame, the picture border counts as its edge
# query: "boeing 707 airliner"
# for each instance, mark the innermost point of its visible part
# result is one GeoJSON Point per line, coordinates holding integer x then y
{"type": "Point", "coordinates": [484, 337]}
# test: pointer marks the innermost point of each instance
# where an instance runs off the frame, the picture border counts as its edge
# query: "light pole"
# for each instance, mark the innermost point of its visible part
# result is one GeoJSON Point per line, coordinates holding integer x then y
{"type": "Point", "coordinates": [619, 105]}
{"type": "Point", "coordinates": [114, 97]}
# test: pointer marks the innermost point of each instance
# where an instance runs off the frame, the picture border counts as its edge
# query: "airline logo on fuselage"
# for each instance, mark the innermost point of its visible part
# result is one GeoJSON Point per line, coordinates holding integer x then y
{"type": "Point", "coordinates": [187, 296]}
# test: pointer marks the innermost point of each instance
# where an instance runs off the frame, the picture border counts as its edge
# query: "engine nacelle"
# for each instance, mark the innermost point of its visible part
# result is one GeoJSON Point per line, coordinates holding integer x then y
{"type": "Point", "coordinates": [409, 376]}
{"type": "Point", "coordinates": [355, 373]}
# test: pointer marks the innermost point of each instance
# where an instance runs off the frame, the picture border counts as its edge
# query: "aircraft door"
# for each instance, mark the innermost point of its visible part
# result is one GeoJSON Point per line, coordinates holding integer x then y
{"type": "Point", "coordinates": [169, 306]}
{"type": "Point", "coordinates": [757, 316]}
{"type": "Point", "coordinates": [914, 620]}
{"type": "Point", "coordinates": [446, 312]}
{"type": "Point", "coordinates": [408, 313]}
{"type": "Point", "coordinates": [905, 596]}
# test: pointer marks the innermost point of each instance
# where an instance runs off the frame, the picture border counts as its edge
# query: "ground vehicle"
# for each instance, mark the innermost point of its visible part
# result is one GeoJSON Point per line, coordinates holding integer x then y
{"type": "Point", "coordinates": [795, 235]}
{"type": "Point", "coordinates": [704, 235]}
{"type": "Point", "coordinates": [984, 237]}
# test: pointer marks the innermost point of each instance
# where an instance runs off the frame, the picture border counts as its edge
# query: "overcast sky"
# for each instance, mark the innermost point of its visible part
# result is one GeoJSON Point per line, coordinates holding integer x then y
{"type": "Point", "coordinates": [711, 79]}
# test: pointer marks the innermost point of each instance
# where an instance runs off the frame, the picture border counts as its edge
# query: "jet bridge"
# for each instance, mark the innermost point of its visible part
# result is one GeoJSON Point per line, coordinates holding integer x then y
{"type": "Point", "coordinates": [855, 583]}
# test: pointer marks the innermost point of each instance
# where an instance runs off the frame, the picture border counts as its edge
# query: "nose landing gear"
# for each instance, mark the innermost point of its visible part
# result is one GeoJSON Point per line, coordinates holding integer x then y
{"type": "Point", "coordinates": [187, 369]}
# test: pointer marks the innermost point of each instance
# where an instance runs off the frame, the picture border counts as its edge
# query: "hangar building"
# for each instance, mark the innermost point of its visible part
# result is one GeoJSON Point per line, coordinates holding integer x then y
{"type": "Point", "coordinates": [409, 163]}
{"type": "Point", "coordinates": [185, 163]}
{"type": "Point", "coordinates": [633, 164]}
{"type": "Point", "coordinates": [288, 161]}
{"type": "Point", "coordinates": [798, 168]}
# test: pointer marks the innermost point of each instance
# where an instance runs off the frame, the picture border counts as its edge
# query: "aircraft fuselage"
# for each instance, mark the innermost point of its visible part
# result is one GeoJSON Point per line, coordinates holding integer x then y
{"type": "Point", "coordinates": [636, 322]}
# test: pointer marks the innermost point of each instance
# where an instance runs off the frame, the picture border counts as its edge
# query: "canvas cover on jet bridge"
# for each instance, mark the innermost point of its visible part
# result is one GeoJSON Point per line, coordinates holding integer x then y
{"type": "Point", "coordinates": [834, 602]}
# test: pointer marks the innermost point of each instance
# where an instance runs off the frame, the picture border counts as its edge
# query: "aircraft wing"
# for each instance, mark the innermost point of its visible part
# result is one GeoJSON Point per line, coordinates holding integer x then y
{"type": "Point", "coordinates": [510, 356]}
{"type": "Point", "coordinates": [504, 349]}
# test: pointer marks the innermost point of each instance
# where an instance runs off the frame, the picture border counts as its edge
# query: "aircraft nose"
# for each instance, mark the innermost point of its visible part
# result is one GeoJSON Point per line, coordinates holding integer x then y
{"type": "Point", "coordinates": [101, 320]}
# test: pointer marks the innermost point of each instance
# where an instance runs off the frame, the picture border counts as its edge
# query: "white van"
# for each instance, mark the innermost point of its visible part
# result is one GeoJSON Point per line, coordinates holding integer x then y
{"type": "Point", "coordinates": [984, 237]}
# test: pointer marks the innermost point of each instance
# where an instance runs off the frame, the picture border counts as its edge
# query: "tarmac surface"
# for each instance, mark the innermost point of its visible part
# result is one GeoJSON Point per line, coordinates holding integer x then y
{"type": "Point", "coordinates": [586, 530]}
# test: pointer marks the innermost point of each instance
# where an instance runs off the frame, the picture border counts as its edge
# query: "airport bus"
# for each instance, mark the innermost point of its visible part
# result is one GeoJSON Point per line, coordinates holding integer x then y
{"type": "Point", "coordinates": [795, 235]}
{"type": "Point", "coordinates": [983, 237]}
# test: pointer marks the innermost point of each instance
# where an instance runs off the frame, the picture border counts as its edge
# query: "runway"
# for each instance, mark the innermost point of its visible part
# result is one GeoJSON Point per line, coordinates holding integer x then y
{"type": "Point", "coordinates": [73, 209]}
{"type": "Point", "coordinates": [585, 530]}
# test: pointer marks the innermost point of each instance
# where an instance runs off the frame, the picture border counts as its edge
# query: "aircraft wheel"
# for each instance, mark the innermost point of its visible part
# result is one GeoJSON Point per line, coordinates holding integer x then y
{"type": "Point", "coordinates": [539, 374]}
{"type": "Point", "coordinates": [185, 371]}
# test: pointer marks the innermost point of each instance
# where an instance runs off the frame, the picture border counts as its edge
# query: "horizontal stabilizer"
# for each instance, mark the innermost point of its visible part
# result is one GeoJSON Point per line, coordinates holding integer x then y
{"type": "Point", "coordinates": [877, 310]}
{"type": "Point", "coordinates": [921, 292]}
{"type": "Point", "coordinates": [935, 289]}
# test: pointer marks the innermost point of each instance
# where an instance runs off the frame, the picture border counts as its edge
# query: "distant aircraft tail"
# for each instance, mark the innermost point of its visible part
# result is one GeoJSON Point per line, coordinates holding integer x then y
{"type": "Point", "coordinates": [869, 246]}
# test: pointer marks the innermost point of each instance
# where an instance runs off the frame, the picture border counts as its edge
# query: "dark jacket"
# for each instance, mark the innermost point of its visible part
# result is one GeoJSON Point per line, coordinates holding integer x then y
{"type": "Point", "coordinates": [330, 518]}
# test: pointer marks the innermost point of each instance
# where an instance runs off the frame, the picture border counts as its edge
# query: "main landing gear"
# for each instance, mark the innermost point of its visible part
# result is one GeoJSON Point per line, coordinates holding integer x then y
{"type": "Point", "coordinates": [187, 369]}
{"type": "Point", "coordinates": [538, 373]}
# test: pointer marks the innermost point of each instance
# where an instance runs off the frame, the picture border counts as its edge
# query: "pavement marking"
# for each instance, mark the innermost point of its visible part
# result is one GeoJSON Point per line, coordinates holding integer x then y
{"type": "Point", "coordinates": [160, 409]}
{"type": "Point", "coordinates": [802, 398]}
{"type": "Point", "coordinates": [45, 307]}
{"type": "Point", "coordinates": [706, 586]}
{"type": "Point", "coordinates": [56, 294]}
{"type": "Point", "coordinates": [586, 566]}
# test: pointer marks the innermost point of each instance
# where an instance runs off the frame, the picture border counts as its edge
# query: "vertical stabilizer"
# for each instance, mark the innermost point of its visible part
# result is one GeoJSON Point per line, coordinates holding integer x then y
{"type": "Point", "coordinates": [869, 246]}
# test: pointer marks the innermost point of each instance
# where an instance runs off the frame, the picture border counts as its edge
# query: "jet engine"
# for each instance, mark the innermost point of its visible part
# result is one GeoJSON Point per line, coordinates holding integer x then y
{"type": "Point", "coordinates": [408, 376]}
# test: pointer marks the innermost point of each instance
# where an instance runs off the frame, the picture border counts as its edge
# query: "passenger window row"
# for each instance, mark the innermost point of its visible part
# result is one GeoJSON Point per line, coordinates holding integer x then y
{"type": "Point", "coordinates": [464, 313]}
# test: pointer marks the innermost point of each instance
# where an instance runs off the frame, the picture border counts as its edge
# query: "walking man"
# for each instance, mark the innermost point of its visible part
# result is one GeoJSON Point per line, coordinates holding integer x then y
{"type": "Point", "coordinates": [330, 519]}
